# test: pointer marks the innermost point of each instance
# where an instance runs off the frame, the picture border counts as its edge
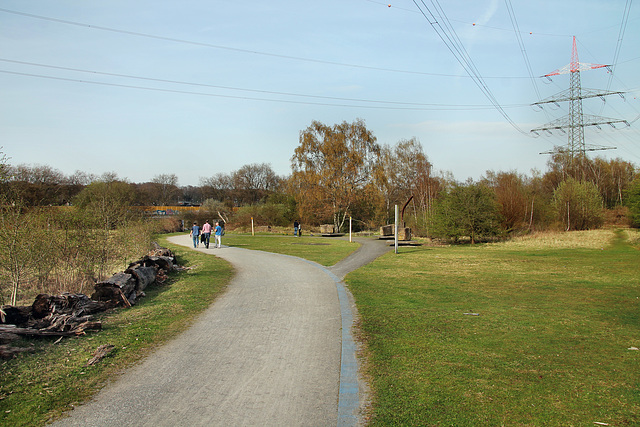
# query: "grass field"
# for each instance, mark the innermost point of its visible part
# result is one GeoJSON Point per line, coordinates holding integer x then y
{"type": "Point", "coordinates": [526, 333]}
{"type": "Point", "coordinates": [37, 387]}
{"type": "Point", "coordinates": [531, 332]}
{"type": "Point", "coordinates": [323, 250]}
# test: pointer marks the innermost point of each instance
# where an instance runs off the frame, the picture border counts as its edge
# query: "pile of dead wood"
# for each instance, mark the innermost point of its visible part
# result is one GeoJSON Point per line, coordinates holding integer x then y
{"type": "Point", "coordinates": [72, 314]}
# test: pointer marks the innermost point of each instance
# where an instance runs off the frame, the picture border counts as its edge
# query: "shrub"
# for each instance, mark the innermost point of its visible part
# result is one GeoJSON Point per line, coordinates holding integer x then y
{"type": "Point", "coordinates": [578, 205]}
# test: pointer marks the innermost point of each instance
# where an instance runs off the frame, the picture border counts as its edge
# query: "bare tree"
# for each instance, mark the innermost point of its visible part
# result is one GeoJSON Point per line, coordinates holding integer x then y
{"type": "Point", "coordinates": [252, 183]}
{"type": "Point", "coordinates": [167, 185]}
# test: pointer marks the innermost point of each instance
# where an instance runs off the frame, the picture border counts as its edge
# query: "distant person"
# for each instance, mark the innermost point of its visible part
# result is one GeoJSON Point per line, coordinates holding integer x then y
{"type": "Point", "coordinates": [296, 227]}
{"type": "Point", "coordinates": [218, 236]}
{"type": "Point", "coordinates": [195, 234]}
{"type": "Point", "coordinates": [206, 233]}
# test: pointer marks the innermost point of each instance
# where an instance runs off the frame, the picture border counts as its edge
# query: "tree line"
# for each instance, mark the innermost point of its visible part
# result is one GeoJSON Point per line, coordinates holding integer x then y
{"type": "Point", "coordinates": [340, 171]}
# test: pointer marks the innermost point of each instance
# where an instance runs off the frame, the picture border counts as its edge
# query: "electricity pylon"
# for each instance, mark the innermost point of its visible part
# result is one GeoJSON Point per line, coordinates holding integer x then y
{"type": "Point", "coordinates": [575, 121]}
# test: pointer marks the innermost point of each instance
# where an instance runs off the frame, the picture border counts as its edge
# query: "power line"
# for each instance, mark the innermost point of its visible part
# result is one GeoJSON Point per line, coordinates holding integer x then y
{"type": "Point", "coordinates": [393, 6]}
{"type": "Point", "coordinates": [233, 49]}
{"type": "Point", "coordinates": [440, 23]}
{"type": "Point", "coordinates": [623, 27]}
{"type": "Point", "coordinates": [129, 76]}
{"type": "Point", "coordinates": [523, 50]}
{"type": "Point", "coordinates": [425, 107]}
{"type": "Point", "coordinates": [446, 106]}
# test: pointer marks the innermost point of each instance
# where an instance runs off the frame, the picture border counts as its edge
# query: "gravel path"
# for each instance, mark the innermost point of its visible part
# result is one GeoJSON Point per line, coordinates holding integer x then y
{"type": "Point", "coordinates": [274, 350]}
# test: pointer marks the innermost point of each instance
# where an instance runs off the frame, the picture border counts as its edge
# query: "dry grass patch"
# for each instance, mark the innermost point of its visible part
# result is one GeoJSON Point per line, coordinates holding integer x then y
{"type": "Point", "coordinates": [586, 239]}
{"type": "Point", "coordinates": [633, 236]}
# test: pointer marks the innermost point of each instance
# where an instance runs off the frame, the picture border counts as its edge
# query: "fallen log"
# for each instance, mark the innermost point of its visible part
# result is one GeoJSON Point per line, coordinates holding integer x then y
{"type": "Point", "coordinates": [162, 251]}
{"type": "Point", "coordinates": [67, 303]}
{"type": "Point", "coordinates": [34, 332]}
{"type": "Point", "coordinates": [64, 322]}
{"type": "Point", "coordinates": [144, 276]}
{"type": "Point", "coordinates": [164, 262]}
{"type": "Point", "coordinates": [15, 315]}
{"type": "Point", "coordinates": [113, 288]}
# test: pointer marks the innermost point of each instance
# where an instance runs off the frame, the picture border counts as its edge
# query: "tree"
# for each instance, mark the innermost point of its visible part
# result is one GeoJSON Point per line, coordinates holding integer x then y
{"type": "Point", "coordinates": [578, 205]}
{"type": "Point", "coordinates": [612, 178]}
{"type": "Point", "coordinates": [4, 167]}
{"type": "Point", "coordinates": [511, 195]}
{"type": "Point", "coordinates": [467, 210]}
{"type": "Point", "coordinates": [19, 250]}
{"type": "Point", "coordinates": [633, 201]}
{"type": "Point", "coordinates": [166, 186]}
{"type": "Point", "coordinates": [217, 187]}
{"type": "Point", "coordinates": [253, 183]}
{"type": "Point", "coordinates": [38, 184]}
{"type": "Point", "coordinates": [330, 167]}
{"type": "Point", "coordinates": [109, 203]}
{"type": "Point", "coordinates": [106, 206]}
{"type": "Point", "coordinates": [406, 172]}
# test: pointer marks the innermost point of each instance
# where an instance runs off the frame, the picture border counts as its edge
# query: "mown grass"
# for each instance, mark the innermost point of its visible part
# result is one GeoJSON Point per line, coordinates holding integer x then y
{"type": "Point", "coordinates": [325, 251]}
{"type": "Point", "coordinates": [549, 344]}
{"type": "Point", "coordinates": [39, 386]}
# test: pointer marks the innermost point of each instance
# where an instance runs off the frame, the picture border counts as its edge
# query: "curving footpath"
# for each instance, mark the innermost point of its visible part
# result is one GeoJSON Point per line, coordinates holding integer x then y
{"type": "Point", "coordinates": [274, 350]}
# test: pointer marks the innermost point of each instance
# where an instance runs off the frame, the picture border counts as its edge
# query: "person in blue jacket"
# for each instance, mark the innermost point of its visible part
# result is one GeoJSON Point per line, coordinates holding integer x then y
{"type": "Point", "coordinates": [218, 235]}
{"type": "Point", "coordinates": [195, 234]}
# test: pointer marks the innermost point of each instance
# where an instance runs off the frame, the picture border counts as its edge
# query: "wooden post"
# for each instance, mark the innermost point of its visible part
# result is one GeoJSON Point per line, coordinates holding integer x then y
{"type": "Point", "coordinates": [395, 234]}
{"type": "Point", "coordinates": [252, 232]}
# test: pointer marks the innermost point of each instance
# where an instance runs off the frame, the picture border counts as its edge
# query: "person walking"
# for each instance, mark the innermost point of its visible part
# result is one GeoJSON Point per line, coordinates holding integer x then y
{"type": "Point", "coordinates": [206, 231]}
{"type": "Point", "coordinates": [195, 234]}
{"type": "Point", "coordinates": [218, 236]}
{"type": "Point", "coordinates": [296, 226]}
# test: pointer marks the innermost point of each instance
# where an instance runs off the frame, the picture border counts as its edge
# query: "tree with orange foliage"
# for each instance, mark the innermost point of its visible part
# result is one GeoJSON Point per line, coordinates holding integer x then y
{"type": "Point", "coordinates": [331, 167]}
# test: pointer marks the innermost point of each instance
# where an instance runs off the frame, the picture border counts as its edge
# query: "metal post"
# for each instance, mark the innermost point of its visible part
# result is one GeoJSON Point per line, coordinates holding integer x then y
{"type": "Point", "coordinates": [252, 232]}
{"type": "Point", "coordinates": [395, 234]}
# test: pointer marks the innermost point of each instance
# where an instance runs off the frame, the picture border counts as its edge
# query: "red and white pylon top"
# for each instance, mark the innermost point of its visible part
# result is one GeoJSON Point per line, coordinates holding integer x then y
{"type": "Point", "coordinates": [575, 66]}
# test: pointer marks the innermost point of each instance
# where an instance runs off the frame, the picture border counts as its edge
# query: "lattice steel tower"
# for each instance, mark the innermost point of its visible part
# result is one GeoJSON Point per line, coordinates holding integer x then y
{"type": "Point", "coordinates": [576, 121]}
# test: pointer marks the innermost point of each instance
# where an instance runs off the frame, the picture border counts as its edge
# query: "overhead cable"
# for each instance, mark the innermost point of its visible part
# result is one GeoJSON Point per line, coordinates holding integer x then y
{"type": "Point", "coordinates": [623, 27]}
{"type": "Point", "coordinates": [425, 107]}
{"type": "Point", "coordinates": [178, 82]}
{"type": "Point", "coordinates": [440, 23]}
{"type": "Point", "coordinates": [234, 49]}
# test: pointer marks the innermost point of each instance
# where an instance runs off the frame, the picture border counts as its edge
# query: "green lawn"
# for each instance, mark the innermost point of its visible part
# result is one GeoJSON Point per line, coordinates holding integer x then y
{"type": "Point", "coordinates": [549, 344]}
{"type": "Point", "coordinates": [326, 251]}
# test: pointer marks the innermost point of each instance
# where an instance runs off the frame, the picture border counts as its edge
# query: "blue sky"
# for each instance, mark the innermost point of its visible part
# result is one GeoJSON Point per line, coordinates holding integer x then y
{"type": "Point", "coordinates": [200, 87]}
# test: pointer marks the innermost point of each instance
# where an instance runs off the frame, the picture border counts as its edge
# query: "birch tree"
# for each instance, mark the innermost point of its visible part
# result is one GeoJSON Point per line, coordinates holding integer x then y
{"type": "Point", "coordinates": [331, 167]}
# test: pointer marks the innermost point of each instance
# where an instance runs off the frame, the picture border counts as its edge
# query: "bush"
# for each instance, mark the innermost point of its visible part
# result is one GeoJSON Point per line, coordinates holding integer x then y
{"type": "Point", "coordinates": [467, 210]}
{"type": "Point", "coordinates": [633, 202]}
{"type": "Point", "coordinates": [578, 205]}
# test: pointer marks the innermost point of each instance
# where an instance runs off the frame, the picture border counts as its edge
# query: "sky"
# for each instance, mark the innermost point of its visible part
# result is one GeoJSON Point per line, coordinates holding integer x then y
{"type": "Point", "coordinates": [195, 88]}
